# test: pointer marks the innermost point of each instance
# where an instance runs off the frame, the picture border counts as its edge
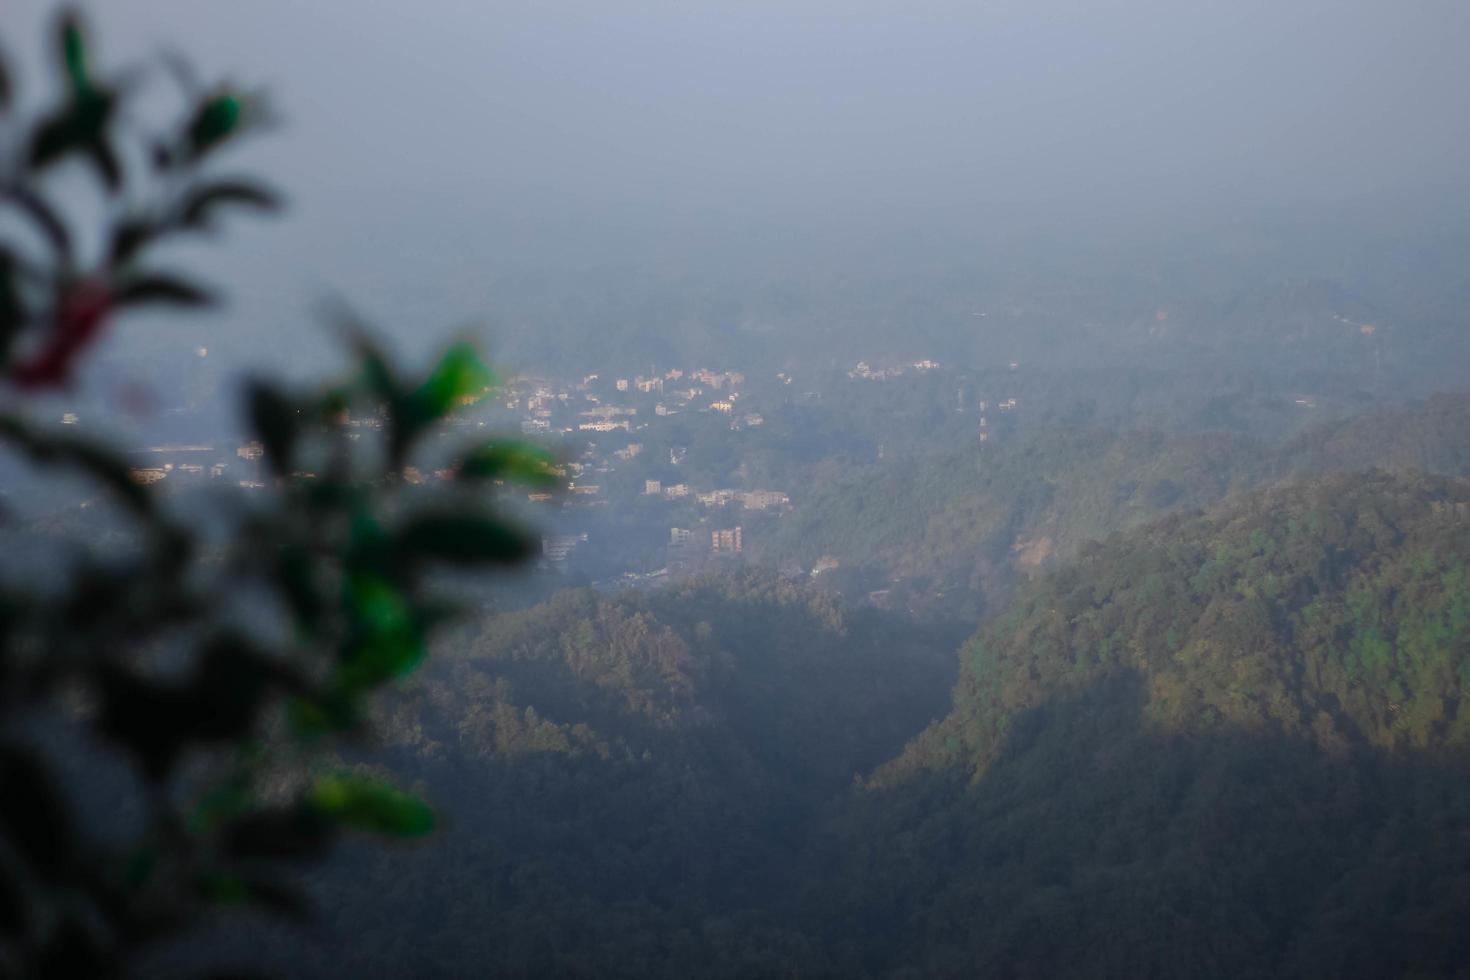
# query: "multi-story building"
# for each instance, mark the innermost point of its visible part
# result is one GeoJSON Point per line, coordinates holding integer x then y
{"type": "Point", "coordinates": [763, 499]}
{"type": "Point", "coordinates": [726, 541]}
{"type": "Point", "coordinates": [558, 547]}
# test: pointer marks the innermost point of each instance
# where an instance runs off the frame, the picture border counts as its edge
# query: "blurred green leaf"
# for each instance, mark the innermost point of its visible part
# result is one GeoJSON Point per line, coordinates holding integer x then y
{"type": "Point", "coordinates": [73, 43]}
{"type": "Point", "coordinates": [367, 803]}
{"type": "Point", "coordinates": [144, 716]}
{"type": "Point", "coordinates": [215, 119]}
{"type": "Point", "coordinates": [140, 865]}
{"type": "Point", "coordinates": [223, 889]}
{"type": "Point", "coordinates": [462, 538]}
{"type": "Point", "coordinates": [12, 309]}
{"type": "Point", "coordinates": [370, 545]}
{"type": "Point", "coordinates": [79, 126]}
{"type": "Point", "coordinates": [7, 86]}
{"type": "Point", "coordinates": [296, 576]}
{"type": "Point", "coordinates": [310, 719]}
{"type": "Point", "coordinates": [16, 903]}
{"type": "Point", "coordinates": [459, 376]}
{"type": "Point", "coordinates": [236, 889]}
{"type": "Point", "coordinates": [513, 460]}
{"type": "Point", "coordinates": [377, 376]}
{"type": "Point", "coordinates": [275, 422]}
{"type": "Point", "coordinates": [92, 458]}
{"type": "Point", "coordinates": [160, 288]}
{"type": "Point", "coordinates": [240, 888]}
{"type": "Point", "coordinates": [128, 238]}
{"type": "Point", "coordinates": [275, 897]}
{"type": "Point", "coordinates": [101, 154]}
{"type": "Point", "coordinates": [389, 640]}
{"type": "Point", "coordinates": [158, 719]}
{"type": "Point", "coordinates": [231, 683]}
{"type": "Point", "coordinates": [32, 813]}
{"type": "Point", "coordinates": [201, 204]}
{"type": "Point", "coordinates": [46, 218]}
{"type": "Point", "coordinates": [279, 833]}
{"type": "Point", "coordinates": [227, 801]}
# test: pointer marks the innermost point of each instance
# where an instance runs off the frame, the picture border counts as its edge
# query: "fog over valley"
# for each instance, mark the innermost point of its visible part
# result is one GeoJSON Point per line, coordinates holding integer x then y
{"type": "Point", "coordinates": [641, 489]}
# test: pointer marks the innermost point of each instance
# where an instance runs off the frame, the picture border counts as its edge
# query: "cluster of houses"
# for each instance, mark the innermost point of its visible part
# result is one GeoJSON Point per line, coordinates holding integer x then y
{"type": "Point", "coordinates": [592, 405]}
{"type": "Point", "coordinates": [866, 372]}
{"type": "Point", "coordinates": [749, 499]}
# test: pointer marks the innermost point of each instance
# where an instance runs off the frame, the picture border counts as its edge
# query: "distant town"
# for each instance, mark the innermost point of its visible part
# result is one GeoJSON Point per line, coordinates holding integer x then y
{"type": "Point", "coordinates": [624, 443]}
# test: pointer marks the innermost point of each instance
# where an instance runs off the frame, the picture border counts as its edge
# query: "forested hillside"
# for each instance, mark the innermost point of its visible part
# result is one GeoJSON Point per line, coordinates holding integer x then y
{"type": "Point", "coordinates": [954, 533]}
{"type": "Point", "coordinates": [628, 783]}
{"type": "Point", "coordinates": [1230, 744]}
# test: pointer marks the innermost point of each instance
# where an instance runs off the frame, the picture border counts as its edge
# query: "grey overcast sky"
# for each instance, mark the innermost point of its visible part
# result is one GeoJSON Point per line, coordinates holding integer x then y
{"type": "Point", "coordinates": [428, 142]}
{"type": "Point", "coordinates": [915, 101]}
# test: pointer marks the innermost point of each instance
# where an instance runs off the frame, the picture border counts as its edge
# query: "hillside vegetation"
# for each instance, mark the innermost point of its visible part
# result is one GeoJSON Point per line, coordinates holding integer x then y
{"type": "Point", "coordinates": [1228, 744]}
{"type": "Point", "coordinates": [954, 533]}
{"type": "Point", "coordinates": [630, 781]}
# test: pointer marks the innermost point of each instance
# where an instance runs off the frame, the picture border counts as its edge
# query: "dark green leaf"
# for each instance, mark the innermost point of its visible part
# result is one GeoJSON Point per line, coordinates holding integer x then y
{"type": "Point", "coordinates": [277, 898]}
{"type": "Point", "coordinates": [105, 161]}
{"type": "Point", "coordinates": [7, 87]}
{"type": "Point", "coordinates": [145, 716]}
{"type": "Point", "coordinates": [224, 888]}
{"type": "Point", "coordinates": [47, 219]}
{"type": "Point", "coordinates": [73, 43]}
{"type": "Point", "coordinates": [371, 546]}
{"type": "Point", "coordinates": [33, 817]}
{"type": "Point", "coordinates": [109, 469]}
{"type": "Point", "coordinates": [215, 119]}
{"type": "Point", "coordinates": [367, 803]}
{"type": "Point", "coordinates": [160, 288]}
{"type": "Point", "coordinates": [227, 691]}
{"type": "Point", "coordinates": [73, 948]}
{"type": "Point", "coordinates": [338, 710]}
{"type": "Point", "coordinates": [158, 719]}
{"type": "Point", "coordinates": [287, 832]}
{"type": "Point", "coordinates": [129, 236]}
{"type": "Point", "coordinates": [98, 461]}
{"type": "Point", "coordinates": [469, 538]}
{"type": "Point", "coordinates": [377, 376]}
{"type": "Point", "coordinates": [200, 205]}
{"type": "Point", "coordinates": [295, 575]}
{"type": "Point", "coordinates": [56, 137]}
{"type": "Point", "coordinates": [513, 460]}
{"type": "Point", "coordinates": [80, 126]}
{"type": "Point", "coordinates": [458, 378]}
{"type": "Point", "coordinates": [388, 640]}
{"type": "Point", "coordinates": [12, 310]}
{"type": "Point", "coordinates": [140, 866]}
{"type": "Point", "coordinates": [15, 903]}
{"type": "Point", "coordinates": [276, 423]}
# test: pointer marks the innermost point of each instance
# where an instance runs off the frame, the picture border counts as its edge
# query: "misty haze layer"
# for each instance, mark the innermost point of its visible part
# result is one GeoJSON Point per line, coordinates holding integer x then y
{"type": "Point", "coordinates": [511, 152]}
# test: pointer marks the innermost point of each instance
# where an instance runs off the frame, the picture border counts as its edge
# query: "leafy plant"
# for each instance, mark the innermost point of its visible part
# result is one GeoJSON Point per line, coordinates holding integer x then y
{"type": "Point", "coordinates": [225, 666]}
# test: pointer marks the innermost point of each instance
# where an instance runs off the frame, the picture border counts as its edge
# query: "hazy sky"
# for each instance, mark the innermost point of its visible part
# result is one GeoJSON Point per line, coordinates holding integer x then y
{"type": "Point", "coordinates": [408, 123]}
{"type": "Point", "coordinates": [902, 102]}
